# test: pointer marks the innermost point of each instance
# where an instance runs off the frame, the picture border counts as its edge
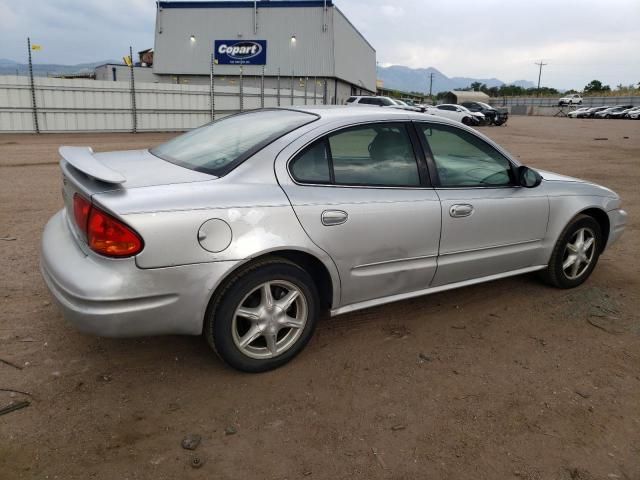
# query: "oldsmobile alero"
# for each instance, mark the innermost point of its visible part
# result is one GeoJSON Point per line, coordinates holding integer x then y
{"type": "Point", "coordinates": [246, 229]}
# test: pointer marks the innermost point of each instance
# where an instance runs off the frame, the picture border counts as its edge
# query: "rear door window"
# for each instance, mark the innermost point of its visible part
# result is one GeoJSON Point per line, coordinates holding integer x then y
{"type": "Point", "coordinates": [312, 164]}
{"type": "Point", "coordinates": [374, 155]}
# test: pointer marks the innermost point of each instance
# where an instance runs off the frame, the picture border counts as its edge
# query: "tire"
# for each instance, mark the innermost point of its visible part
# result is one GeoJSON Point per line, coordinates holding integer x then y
{"type": "Point", "coordinates": [224, 328]}
{"type": "Point", "coordinates": [558, 276]}
{"type": "Point", "coordinates": [466, 121]}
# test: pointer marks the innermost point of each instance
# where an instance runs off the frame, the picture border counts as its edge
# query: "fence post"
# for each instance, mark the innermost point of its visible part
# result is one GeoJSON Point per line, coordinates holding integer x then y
{"type": "Point", "coordinates": [33, 90]}
{"type": "Point", "coordinates": [291, 87]}
{"type": "Point", "coordinates": [212, 90]}
{"type": "Point", "coordinates": [262, 88]}
{"type": "Point", "coordinates": [315, 89]}
{"type": "Point", "coordinates": [241, 85]}
{"type": "Point", "coordinates": [324, 91]}
{"type": "Point", "coordinates": [133, 94]}
{"type": "Point", "coordinates": [278, 95]}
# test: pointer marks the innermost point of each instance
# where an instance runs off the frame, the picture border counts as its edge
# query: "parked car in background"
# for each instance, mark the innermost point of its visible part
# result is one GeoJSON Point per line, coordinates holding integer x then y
{"type": "Point", "coordinates": [251, 226]}
{"type": "Point", "coordinates": [404, 105]}
{"type": "Point", "coordinates": [492, 115]}
{"type": "Point", "coordinates": [608, 112]}
{"type": "Point", "coordinates": [458, 113]}
{"type": "Point", "coordinates": [634, 114]}
{"type": "Point", "coordinates": [573, 99]}
{"type": "Point", "coordinates": [590, 113]}
{"type": "Point", "coordinates": [622, 113]}
{"type": "Point", "coordinates": [578, 112]}
{"type": "Point", "coordinates": [369, 100]}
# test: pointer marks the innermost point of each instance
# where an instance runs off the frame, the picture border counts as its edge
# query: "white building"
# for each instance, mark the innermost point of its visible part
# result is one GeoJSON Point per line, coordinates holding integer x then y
{"type": "Point", "coordinates": [309, 41]}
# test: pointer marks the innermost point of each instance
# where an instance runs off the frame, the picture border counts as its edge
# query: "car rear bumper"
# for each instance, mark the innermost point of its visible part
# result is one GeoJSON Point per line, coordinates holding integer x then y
{"type": "Point", "coordinates": [617, 222]}
{"type": "Point", "coordinates": [115, 298]}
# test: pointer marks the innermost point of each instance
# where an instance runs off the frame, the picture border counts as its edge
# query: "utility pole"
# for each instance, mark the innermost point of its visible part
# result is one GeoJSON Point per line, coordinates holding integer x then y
{"type": "Point", "coordinates": [540, 64]}
{"type": "Point", "coordinates": [134, 114]}
{"type": "Point", "coordinates": [431, 87]}
{"type": "Point", "coordinates": [33, 90]}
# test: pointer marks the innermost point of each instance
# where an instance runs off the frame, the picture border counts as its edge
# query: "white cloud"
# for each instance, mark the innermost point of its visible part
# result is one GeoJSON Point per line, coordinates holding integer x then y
{"type": "Point", "coordinates": [392, 11]}
{"type": "Point", "coordinates": [581, 40]}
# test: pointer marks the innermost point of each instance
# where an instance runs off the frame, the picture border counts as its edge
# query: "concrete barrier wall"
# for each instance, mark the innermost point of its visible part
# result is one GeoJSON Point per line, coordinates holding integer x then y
{"type": "Point", "coordinates": [548, 106]}
{"type": "Point", "coordinates": [64, 105]}
{"type": "Point", "coordinates": [553, 101]}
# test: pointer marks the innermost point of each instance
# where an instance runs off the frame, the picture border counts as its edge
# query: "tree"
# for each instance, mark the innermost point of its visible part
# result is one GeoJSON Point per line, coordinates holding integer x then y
{"type": "Point", "coordinates": [596, 86]}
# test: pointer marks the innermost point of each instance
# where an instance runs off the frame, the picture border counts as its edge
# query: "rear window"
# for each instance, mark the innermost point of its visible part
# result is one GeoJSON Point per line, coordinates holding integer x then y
{"type": "Point", "coordinates": [219, 147]}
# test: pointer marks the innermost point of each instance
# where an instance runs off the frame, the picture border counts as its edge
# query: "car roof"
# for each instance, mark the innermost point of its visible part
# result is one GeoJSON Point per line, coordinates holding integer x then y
{"type": "Point", "coordinates": [372, 113]}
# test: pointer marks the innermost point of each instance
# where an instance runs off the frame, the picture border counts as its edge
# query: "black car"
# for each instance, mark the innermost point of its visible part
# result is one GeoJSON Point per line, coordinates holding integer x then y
{"type": "Point", "coordinates": [493, 116]}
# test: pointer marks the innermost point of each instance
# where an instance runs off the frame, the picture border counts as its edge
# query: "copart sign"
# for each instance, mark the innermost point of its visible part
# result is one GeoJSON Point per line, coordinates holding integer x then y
{"type": "Point", "coordinates": [241, 52]}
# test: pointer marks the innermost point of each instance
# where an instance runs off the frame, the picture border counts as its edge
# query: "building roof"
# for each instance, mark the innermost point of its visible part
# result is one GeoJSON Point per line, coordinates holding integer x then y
{"type": "Point", "coordinates": [466, 96]}
{"type": "Point", "coordinates": [247, 4]}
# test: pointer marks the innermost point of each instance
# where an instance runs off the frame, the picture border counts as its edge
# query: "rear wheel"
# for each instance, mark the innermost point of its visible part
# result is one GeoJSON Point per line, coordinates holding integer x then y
{"type": "Point", "coordinates": [575, 254]}
{"type": "Point", "coordinates": [264, 316]}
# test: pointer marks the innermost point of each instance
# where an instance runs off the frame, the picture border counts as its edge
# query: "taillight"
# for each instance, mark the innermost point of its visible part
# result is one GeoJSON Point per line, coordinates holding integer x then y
{"type": "Point", "coordinates": [105, 234]}
{"type": "Point", "coordinates": [81, 207]}
{"type": "Point", "coordinates": [109, 236]}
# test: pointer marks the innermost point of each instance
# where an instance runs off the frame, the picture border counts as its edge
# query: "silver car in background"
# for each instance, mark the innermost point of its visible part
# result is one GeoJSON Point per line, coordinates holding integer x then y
{"type": "Point", "coordinates": [246, 229]}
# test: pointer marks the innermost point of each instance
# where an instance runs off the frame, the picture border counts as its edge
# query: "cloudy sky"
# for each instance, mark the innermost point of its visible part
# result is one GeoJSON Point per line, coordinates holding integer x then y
{"type": "Point", "coordinates": [579, 39]}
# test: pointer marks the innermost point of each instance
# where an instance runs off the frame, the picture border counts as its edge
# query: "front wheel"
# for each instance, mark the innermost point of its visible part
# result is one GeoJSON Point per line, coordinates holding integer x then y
{"type": "Point", "coordinates": [264, 316]}
{"type": "Point", "coordinates": [575, 254]}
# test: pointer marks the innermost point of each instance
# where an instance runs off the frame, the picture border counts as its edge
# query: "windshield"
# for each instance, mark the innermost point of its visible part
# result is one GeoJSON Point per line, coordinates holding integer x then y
{"type": "Point", "coordinates": [485, 105]}
{"type": "Point", "coordinates": [219, 147]}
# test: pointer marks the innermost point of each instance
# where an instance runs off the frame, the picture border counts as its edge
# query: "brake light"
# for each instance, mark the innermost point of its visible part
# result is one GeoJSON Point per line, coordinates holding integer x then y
{"type": "Point", "coordinates": [81, 207]}
{"type": "Point", "coordinates": [105, 234]}
{"type": "Point", "coordinates": [108, 236]}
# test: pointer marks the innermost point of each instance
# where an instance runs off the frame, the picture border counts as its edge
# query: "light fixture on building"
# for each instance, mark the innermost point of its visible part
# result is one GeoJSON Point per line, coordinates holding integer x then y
{"type": "Point", "coordinates": [293, 39]}
{"type": "Point", "coordinates": [192, 38]}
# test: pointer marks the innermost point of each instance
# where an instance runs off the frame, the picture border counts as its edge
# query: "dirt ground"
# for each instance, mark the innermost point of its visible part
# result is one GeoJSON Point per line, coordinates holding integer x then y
{"type": "Point", "coordinates": [511, 379]}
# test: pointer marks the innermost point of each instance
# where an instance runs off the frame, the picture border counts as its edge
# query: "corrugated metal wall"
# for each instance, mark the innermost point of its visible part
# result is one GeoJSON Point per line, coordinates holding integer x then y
{"type": "Point", "coordinates": [337, 51]}
{"type": "Point", "coordinates": [175, 53]}
{"type": "Point", "coordinates": [355, 58]}
{"type": "Point", "coordinates": [89, 105]}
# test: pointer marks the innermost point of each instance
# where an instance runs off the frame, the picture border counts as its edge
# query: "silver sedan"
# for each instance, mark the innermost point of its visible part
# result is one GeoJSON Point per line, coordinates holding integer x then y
{"type": "Point", "coordinates": [247, 229]}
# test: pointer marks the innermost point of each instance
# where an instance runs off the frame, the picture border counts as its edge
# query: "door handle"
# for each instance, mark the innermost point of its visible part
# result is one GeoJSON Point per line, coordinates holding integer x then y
{"type": "Point", "coordinates": [461, 210]}
{"type": "Point", "coordinates": [334, 217]}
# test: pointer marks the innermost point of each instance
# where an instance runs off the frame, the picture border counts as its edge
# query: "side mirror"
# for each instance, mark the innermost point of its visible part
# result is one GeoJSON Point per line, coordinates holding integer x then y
{"type": "Point", "coordinates": [528, 177]}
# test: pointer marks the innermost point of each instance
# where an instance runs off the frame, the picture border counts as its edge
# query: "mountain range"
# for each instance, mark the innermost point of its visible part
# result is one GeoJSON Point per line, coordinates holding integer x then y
{"type": "Point", "coordinates": [417, 80]}
{"type": "Point", "coordinates": [10, 67]}
{"type": "Point", "coordinates": [396, 76]}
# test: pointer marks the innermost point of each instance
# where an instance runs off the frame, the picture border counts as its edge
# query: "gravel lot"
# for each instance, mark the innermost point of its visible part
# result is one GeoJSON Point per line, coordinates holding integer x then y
{"type": "Point", "coordinates": [511, 379]}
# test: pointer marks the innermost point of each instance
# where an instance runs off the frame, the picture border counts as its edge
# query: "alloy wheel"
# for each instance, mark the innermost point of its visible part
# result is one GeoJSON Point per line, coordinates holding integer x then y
{"type": "Point", "coordinates": [579, 253]}
{"type": "Point", "coordinates": [270, 319]}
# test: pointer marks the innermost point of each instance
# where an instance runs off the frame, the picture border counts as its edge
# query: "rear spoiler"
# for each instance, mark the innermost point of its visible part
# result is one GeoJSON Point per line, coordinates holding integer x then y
{"type": "Point", "coordinates": [82, 158]}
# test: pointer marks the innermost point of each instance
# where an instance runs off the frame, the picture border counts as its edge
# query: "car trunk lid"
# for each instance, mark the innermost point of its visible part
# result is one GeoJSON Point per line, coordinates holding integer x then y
{"type": "Point", "coordinates": [87, 173]}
